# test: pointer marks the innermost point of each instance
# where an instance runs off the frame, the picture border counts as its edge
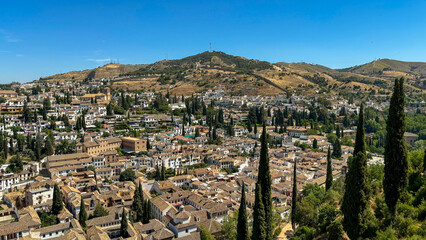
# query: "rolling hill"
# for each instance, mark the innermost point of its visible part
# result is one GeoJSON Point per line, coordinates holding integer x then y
{"type": "Point", "coordinates": [239, 75]}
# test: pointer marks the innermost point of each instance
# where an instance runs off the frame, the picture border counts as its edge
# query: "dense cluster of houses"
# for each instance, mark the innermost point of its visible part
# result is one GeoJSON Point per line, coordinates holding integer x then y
{"type": "Point", "coordinates": [206, 178]}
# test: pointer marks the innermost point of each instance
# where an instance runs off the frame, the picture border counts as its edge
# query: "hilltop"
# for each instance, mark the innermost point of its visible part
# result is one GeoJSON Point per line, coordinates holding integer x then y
{"type": "Point", "coordinates": [107, 71]}
{"type": "Point", "coordinates": [239, 75]}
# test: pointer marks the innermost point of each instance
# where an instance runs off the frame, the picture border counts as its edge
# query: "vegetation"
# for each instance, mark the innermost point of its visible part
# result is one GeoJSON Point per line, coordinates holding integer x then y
{"type": "Point", "coordinates": [396, 165]}
{"type": "Point", "coordinates": [57, 204]}
{"type": "Point", "coordinates": [242, 227]}
{"type": "Point", "coordinates": [127, 175]}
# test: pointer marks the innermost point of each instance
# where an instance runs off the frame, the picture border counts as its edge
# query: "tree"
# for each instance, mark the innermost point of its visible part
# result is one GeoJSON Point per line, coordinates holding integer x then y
{"type": "Point", "coordinates": [26, 113]}
{"type": "Point", "coordinates": [294, 196]}
{"type": "Point", "coordinates": [424, 161]}
{"type": "Point", "coordinates": [127, 175]}
{"type": "Point", "coordinates": [148, 145]}
{"type": "Point", "coordinates": [242, 226]}
{"type": "Point", "coordinates": [99, 211]}
{"type": "Point", "coordinates": [329, 177]}
{"type": "Point", "coordinates": [206, 234]}
{"type": "Point", "coordinates": [15, 164]}
{"type": "Point", "coordinates": [356, 196]}
{"type": "Point", "coordinates": [82, 216]}
{"type": "Point", "coordinates": [265, 182]}
{"type": "Point", "coordinates": [337, 149]}
{"type": "Point", "coordinates": [197, 132]}
{"type": "Point", "coordinates": [396, 165]}
{"type": "Point", "coordinates": [137, 205]}
{"type": "Point", "coordinates": [259, 221]}
{"type": "Point", "coordinates": [57, 200]}
{"type": "Point", "coordinates": [315, 144]}
{"type": "Point", "coordinates": [48, 146]}
{"type": "Point", "coordinates": [124, 224]}
{"type": "Point", "coordinates": [229, 226]}
{"type": "Point", "coordinates": [147, 212]}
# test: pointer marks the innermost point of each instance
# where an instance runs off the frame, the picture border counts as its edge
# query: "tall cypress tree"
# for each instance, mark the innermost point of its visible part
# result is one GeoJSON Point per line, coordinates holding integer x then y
{"type": "Point", "coordinates": [356, 196]}
{"type": "Point", "coordinates": [82, 215]}
{"type": "Point", "coordinates": [124, 224]}
{"type": "Point", "coordinates": [396, 165]}
{"type": "Point", "coordinates": [137, 206]}
{"type": "Point", "coordinates": [294, 196]}
{"type": "Point", "coordinates": [242, 225]}
{"type": "Point", "coordinates": [337, 149]}
{"type": "Point", "coordinates": [264, 178]}
{"type": "Point", "coordinates": [329, 177]}
{"type": "Point", "coordinates": [57, 200]}
{"type": "Point", "coordinates": [259, 221]}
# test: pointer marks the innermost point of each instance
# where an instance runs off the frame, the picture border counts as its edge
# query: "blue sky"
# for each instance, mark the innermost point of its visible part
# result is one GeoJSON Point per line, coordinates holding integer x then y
{"type": "Point", "coordinates": [40, 38]}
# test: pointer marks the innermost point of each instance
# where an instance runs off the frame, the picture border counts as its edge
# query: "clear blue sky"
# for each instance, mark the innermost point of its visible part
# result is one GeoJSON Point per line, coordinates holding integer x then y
{"type": "Point", "coordinates": [40, 38]}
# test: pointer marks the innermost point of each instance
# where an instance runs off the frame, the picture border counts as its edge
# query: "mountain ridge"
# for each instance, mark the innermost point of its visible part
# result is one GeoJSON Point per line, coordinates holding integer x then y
{"type": "Point", "coordinates": [218, 69]}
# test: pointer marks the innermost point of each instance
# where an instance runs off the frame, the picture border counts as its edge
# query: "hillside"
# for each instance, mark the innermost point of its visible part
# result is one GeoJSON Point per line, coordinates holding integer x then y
{"type": "Point", "coordinates": [107, 71]}
{"type": "Point", "coordinates": [378, 66]}
{"type": "Point", "coordinates": [239, 75]}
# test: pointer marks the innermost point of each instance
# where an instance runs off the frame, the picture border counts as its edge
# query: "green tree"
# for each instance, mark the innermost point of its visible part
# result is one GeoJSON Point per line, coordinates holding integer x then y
{"type": "Point", "coordinates": [356, 196]}
{"type": "Point", "coordinates": [329, 177]}
{"type": "Point", "coordinates": [15, 164]}
{"type": "Point", "coordinates": [57, 204]}
{"type": "Point", "coordinates": [229, 226]}
{"type": "Point", "coordinates": [26, 113]}
{"type": "Point", "coordinates": [137, 205]}
{"type": "Point", "coordinates": [147, 212]}
{"type": "Point", "coordinates": [206, 234]}
{"type": "Point", "coordinates": [337, 149]}
{"type": "Point", "coordinates": [124, 224]}
{"type": "Point", "coordinates": [82, 215]}
{"type": "Point", "coordinates": [242, 226]}
{"type": "Point", "coordinates": [99, 211]}
{"type": "Point", "coordinates": [265, 182]}
{"type": "Point", "coordinates": [148, 145]}
{"type": "Point", "coordinates": [48, 146]}
{"type": "Point", "coordinates": [315, 144]}
{"type": "Point", "coordinates": [396, 165]}
{"type": "Point", "coordinates": [259, 221]}
{"type": "Point", "coordinates": [127, 175]}
{"type": "Point", "coordinates": [294, 197]}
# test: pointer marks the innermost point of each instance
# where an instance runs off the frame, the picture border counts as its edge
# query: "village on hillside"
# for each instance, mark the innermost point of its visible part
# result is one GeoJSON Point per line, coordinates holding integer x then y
{"type": "Point", "coordinates": [82, 149]}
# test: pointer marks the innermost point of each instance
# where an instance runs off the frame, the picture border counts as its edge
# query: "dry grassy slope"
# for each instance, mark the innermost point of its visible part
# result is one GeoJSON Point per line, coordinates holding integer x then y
{"type": "Point", "coordinates": [375, 67]}
{"type": "Point", "coordinates": [220, 70]}
{"type": "Point", "coordinates": [201, 80]}
{"type": "Point", "coordinates": [106, 71]}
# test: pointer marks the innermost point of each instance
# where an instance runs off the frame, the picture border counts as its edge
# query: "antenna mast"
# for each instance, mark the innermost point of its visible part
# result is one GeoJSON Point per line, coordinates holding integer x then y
{"type": "Point", "coordinates": [211, 47]}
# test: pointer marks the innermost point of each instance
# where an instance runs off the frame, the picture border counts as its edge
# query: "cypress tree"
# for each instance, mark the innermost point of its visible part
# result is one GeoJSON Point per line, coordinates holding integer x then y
{"type": "Point", "coordinates": [148, 145]}
{"type": "Point", "coordinates": [124, 224]}
{"type": "Point", "coordinates": [242, 225]}
{"type": "Point", "coordinates": [57, 200]}
{"type": "Point", "coordinates": [337, 149]}
{"type": "Point", "coordinates": [82, 216]}
{"type": "Point", "coordinates": [356, 196]}
{"type": "Point", "coordinates": [137, 206]}
{"type": "Point", "coordinates": [294, 197]}
{"type": "Point", "coordinates": [249, 127]}
{"type": "Point", "coordinates": [315, 144]}
{"type": "Point", "coordinates": [48, 146]}
{"type": "Point", "coordinates": [265, 181]}
{"type": "Point", "coordinates": [329, 178]}
{"type": "Point", "coordinates": [259, 221]}
{"type": "Point", "coordinates": [396, 165]}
